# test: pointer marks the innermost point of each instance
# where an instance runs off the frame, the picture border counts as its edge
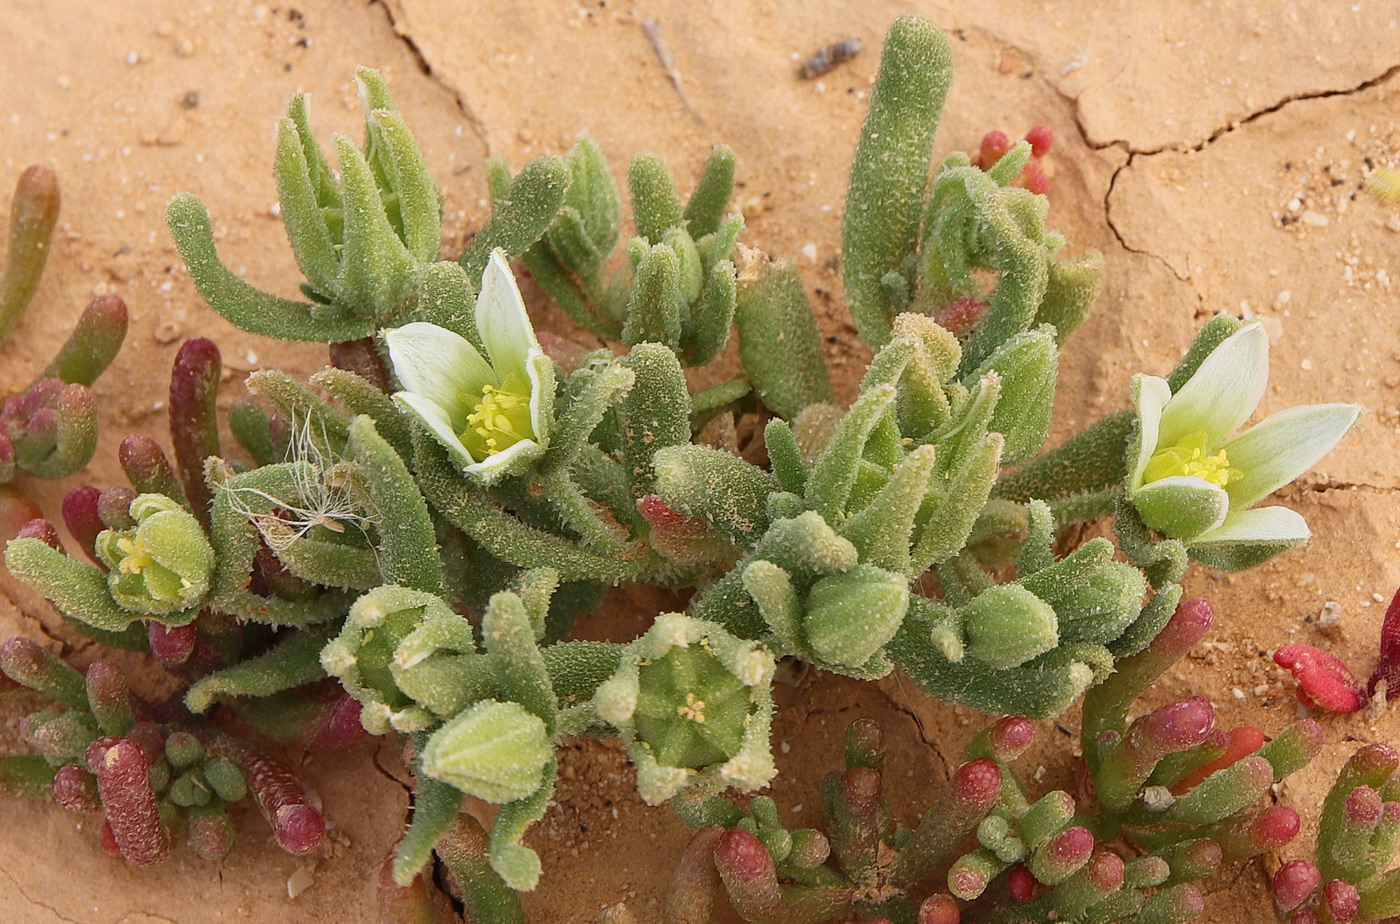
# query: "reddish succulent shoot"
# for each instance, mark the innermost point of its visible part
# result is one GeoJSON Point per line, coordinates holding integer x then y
{"type": "Point", "coordinates": [976, 785]}
{"type": "Point", "coordinates": [961, 315]}
{"type": "Point", "coordinates": [76, 790]}
{"type": "Point", "coordinates": [1105, 871]}
{"type": "Point", "coordinates": [865, 744]}
{"type": "Point", "coordinates": [339, 726]}
{"type": "Point", "coordinates": [1388, 667]}
{"type": "Point", "coordinates": [1342, 899]}
{"type": "Point", "coordinates": [1068, 851]}
{"type": "Point", "coordinates": [81, 517]}
{"type": "Point", "coordinates": [1274, 827]}
{"type": "Point", "coordinates": [114, 508]}
{"type": "Point", "coordinates": [1239, 743]}
{"type": "Point", "coordinates": [171, 646]}
{"type": "Point", "coordinates": [668, 521]}
{"type": "Point", "coordinates": [1010, 737]}
{"type": "Point", "coordinates": [1294, 883]}
{"type": "Point", "coordinates": [1174, 727]}
{"type": "Point", "coordinates": [995, 144]}
{"type": "Point", "coordinates": [993, 148]}
{"type": "Point", "coordinates": [1324, 682]}
{"type": "Point", "coordinates": [42, 530]}
{"type": "Point", "coordinates": [1022, 885]}
{"type": "Point", "coordinates": [860, 790]}
{"type": "Point", "coordinates": [742, 858]}
{"type": "Point", "coordinates": [1363, 807]}
{"type": "Point", "coordinates": [298, 824]}
{"type": "Point", "coordinates": [194, 424]}
{"type": "Point", "coordinates": [130, 805]}
{"type": "Point", "coordinates": [1041, 139]}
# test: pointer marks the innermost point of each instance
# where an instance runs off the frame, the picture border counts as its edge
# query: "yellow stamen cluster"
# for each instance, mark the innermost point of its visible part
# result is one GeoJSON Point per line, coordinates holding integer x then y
{"type": "Point", "coordinates": [499, 420]}
{"type": "Point", "coordinates": [694, 709]}
{"type": "Point", "coordinates": [1191, 457]}
{"type": "Point", "coordinates": [137, 557]}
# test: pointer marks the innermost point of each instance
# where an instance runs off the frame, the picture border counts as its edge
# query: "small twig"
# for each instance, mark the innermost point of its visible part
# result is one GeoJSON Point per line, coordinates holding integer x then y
{"type": "Point", "coordinates": [652, 29]}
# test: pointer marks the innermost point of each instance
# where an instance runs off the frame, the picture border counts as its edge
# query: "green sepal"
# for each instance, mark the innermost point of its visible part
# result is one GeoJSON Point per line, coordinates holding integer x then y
{"type": "Point", "coordinates": [407, 546]}
{"type": "Point", "coordinates": [705, 208]}
{"type": "Point", "coordinates": [654, 312]}
{"type": "Point", "coordinates": [655, 414]}
{"type": "Point", "coordinates": [655, 206]}
{"type": "Point", "coordinates": [242, 305]}
{"type": "Point", "coordinates": [521, 215]}
{"type": "Point", "coordinates": [719, 487]}
{"type": "Point", "coordinates": [294, 661]}
{"type": "Point", "coordinates": [889, 173]}
{"type": "Point", "coordinates": [779, 343]}
{"type": "Point", "coordinates": [77, 589]}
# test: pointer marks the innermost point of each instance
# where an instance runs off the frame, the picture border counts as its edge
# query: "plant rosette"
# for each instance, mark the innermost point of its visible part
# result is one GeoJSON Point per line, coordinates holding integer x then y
{"type": "Point", "coordinates": [693, 705]}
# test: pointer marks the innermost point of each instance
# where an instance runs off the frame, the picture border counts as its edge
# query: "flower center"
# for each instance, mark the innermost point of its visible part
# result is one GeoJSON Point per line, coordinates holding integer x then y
{"type": "Point", "coordinates": [1190, 457]}
{"type": "Point", "coordinates": [693, 709]}
{"type": "Point", "coordinates": [137, 556]}
{"type": "Point", "coordinates": [500, 418]}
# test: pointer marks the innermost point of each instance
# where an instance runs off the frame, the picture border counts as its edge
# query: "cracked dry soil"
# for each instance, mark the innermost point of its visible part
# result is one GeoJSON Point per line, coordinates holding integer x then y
{"type": "Point", "coordinates": [1212, 151]}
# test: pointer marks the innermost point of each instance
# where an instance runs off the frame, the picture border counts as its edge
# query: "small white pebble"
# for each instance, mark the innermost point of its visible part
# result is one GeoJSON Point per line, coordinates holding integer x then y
{"type": "Point", "coordinates": [1316, 219]}
{"type": "Point", "coordinates": [1237, 693]}
{"type": "Point", "coordinates": [1331, 612]}
{"type": "Point", "coordinates": [810, 252]}
{"type": "Point", "coordinates": [1307, 365]}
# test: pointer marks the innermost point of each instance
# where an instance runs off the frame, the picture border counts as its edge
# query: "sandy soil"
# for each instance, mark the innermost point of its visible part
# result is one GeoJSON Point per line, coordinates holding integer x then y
{"type": "Point", "coordinates": [1211, 150]}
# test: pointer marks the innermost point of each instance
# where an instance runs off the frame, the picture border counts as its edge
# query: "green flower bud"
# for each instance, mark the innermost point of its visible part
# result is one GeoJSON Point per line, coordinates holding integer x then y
{"type": "Point", "coordinates": [401, 654]}
{"type": "Point", "coordinates": [693, 706]}
{"type": "Point", "coordinates": [851, 616]}
{"type": "Point", "coordinates": [1008, 625]}
{"type": "Point", "coordinates": [495, 751]}
{"type": "Point", "coordinates": [1101, 608]}
{"type": "Point", "coordinates": [163, 565]}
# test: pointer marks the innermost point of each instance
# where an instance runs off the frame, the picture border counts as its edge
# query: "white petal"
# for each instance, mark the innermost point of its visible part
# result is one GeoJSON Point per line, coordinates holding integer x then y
{"type": "Point", "coordinates": [509, 461]}
{"type": "Point", "coordinates": [1262, 524]}
{"type": "Point", "coordinates": [1225, 390]}
{"type": "Point", "coordinates": [541, 371]}
{"type": "Point", "coordinates": [501, 319]}
{"type": "Point", "coordinates": [434, 362]}
{"type": "Point", "coordinates": [1283, 446]}
{"type": "Point", "coordinates": [1182, 506]}
{"type": "Point", "coordinates": [438, 424]}
{"type": "Point", "coordinates": [1150, 395]}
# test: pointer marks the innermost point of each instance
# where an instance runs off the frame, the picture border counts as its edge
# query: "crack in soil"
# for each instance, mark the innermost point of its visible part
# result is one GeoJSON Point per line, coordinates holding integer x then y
{"type": "Point", "coordinates": [1134, 154]}
{"type": "Point", "coordinates": [1235, 125]}
{"type": "Point", "coordinates": [387, 773]}
{"type": "Point", "coordinates": [905, 709]}
{"type": "Point", "coordinates": [33, 901]}
{"type": "Point", "coordinates": [403, 35]}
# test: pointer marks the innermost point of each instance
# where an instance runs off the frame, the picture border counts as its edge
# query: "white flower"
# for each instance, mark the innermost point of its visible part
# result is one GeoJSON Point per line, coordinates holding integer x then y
{"type": "Point", "coordinates": [491, 413]}
{"type": "Point", "coordinates": [1192, 480]}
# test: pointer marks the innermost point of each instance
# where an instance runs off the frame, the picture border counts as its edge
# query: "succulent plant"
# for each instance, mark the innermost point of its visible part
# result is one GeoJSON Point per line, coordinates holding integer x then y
{"type": "Point", "coordinates": [401, 545]}
{"type": "Point", "coordinates": [1183, 795]}
{"type": "Point", "coordinates": [49, 429]}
